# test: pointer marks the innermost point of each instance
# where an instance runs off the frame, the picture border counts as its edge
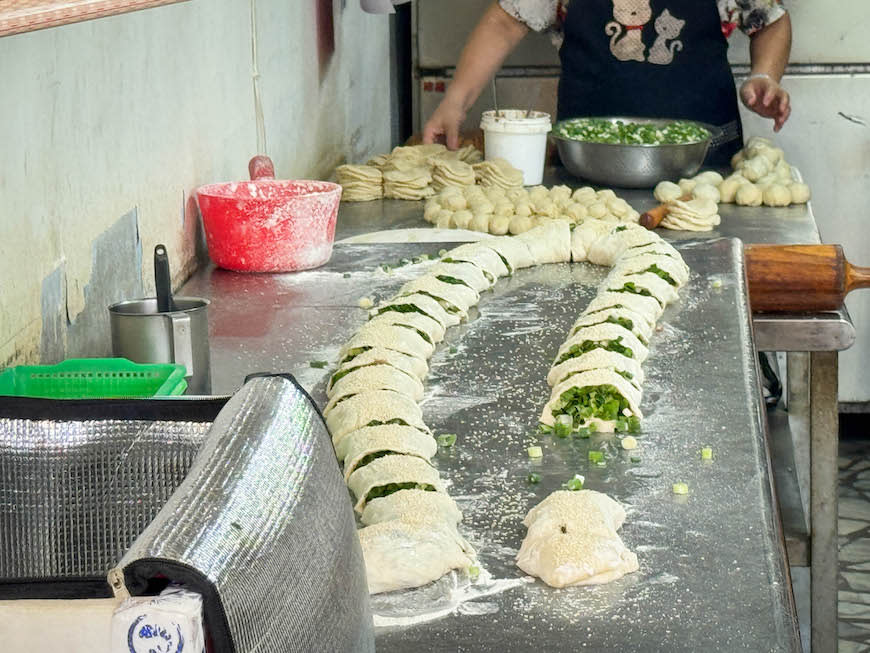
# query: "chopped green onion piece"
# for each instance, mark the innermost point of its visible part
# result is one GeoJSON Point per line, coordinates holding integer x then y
{"type": "Point", "coordinates": [447, 439]}
{"type": "Point", "coordinates": [707, 453]}
{"type": "Point", "coordinates": [453, 350]}
{"type": "Point", "coordinates": [681, 488]}
{"type": "Point", "coordinates": [533, 478]}
{"type": "Point", "coordinates": [318, 364]}
{"type": "Point", "coordinates": [535, 452]}
{"type": "Point", "coordinates": [596, 456]}
{"type": "Point", "coordinates": [346, 275]}
{"type": "Point", "coordinates": [635, 459]}
{"type": "Point", "coordinates": [716, 283]}
{"type": "Point", "coordinates": [629, 442]}
{"type": "Point", "coordinates": [473, 572]}
{"type": "Point", "coordinates": [584, 432]}
{"type": "Point", "coordinates": [545, 428]}
{"type": "Point", "coordinates": [575, 483]}
{"type": "Point", "coordinates": [563, 426]}
{"type": "Point", "coordinates": [442, 252]}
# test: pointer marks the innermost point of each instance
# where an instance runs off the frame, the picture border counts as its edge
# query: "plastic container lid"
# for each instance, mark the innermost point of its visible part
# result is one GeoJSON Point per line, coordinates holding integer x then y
{"type": "Point", "coordinates": [514, 121]}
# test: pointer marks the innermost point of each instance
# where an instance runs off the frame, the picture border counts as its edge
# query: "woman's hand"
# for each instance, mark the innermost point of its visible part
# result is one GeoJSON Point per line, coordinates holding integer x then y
{"type": "Point", "coordinates": [445, 123]}
{"type": "Point", "coordinates": [767, 98]}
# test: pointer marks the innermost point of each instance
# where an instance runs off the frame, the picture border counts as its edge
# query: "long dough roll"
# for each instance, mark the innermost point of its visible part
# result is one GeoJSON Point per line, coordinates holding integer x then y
{"type": "Point", "coordinates": [550, 242]}
{"type": "Point", "coordinates": [390, 439]}
{"type": "Point", "coordinates": [593, 360]}
{"type": "Point", "coordinates": [636, 323]}
{"type": "Point", "coordinates": [412, 504]}
{"type": "Point", "coordinates": [605, 332]}
{"type": "Point", "coordinates": [393, 470]}
{"type": "Point", "coordinates": [593, 378]}
{"type": "Point", "coordinates": [393, 337]}
{"type": "Point", "coordinates": [383, 406]}
{"type": "Point", "coordinates": [429, 306]}
{"type": "Point", "coordinates": [376, 377]}
{"type": "Point", "coordinates": [468, 273]}
{"type": "Point", "coordinates": [648, 281]}
{"type": "Point", "coordinates": [416, 367]}
{"type": "Point", "coordinates": [479, 254]}
{"type": "Point", "coordinates": [432, 328]}
{"type": "Point", "coordinates": [647, 307]}
{"type": "Point", "coordinates": [459, 296]}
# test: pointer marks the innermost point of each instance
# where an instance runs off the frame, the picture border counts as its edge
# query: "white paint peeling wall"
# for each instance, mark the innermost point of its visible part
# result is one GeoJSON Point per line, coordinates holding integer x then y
{"type": "Point", "coordinates": [126, 116]}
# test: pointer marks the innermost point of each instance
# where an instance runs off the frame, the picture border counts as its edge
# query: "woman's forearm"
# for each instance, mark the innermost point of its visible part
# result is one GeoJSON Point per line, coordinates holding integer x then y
{"type": "Point", "coordinates": [495, 36]}
{"type": "Point", "coordinates": [770, 47]}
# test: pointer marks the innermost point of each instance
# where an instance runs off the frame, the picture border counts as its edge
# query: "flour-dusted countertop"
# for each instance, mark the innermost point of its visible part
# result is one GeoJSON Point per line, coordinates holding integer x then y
{"type": "Point", "coordinates": [708, 562]}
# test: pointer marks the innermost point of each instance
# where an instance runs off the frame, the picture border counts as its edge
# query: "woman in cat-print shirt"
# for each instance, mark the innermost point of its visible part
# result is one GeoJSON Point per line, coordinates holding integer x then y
{"type": "Point", "coordinates": [656, 58]}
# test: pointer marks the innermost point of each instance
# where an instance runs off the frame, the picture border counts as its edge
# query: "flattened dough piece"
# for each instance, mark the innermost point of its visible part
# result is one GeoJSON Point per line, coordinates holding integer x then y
{"type": "Point", "coordinates": [640, 264]}
{"type": "Point", "coordinates": [597, 359]}
{"type": "Point", "coordinates": [405, 553]}
{"type": "Point", "coordinates": [416, 367]}
{"type": "Point", "coordinates": [647, 307]}
{"type": "Point", "coordinates": [549, 243]}
{"type": "Point", "coordinates": [637, 324]}
{"type": "Point", "coordinates": [647, 282]}
{"type": "Point", "coordinates": [599, 512]}
{"type": "Point", "coordinates": [413, 504]}
{"type": "Point", "coordinates": [382, 406]}
{"type": "Point", "coordinates": [376, 377]}
{"type": "Point", "coordinates": [393, 470]}
{"type": "Point", "coordinates": [390, 439]}
{"type": "Point", "coordinates": [431, 327]}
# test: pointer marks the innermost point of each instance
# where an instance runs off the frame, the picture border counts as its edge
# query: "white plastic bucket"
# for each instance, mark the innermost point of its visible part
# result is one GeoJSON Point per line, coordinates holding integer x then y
{"type": "Point", "coordinates": [520, 140]}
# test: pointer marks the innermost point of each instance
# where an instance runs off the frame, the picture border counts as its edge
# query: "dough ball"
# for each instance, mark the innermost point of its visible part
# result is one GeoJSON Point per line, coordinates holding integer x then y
{"type": "Point", "coordinates": [480, 222]}
{"type": "Point", "coordinates": [558, 193]}
{"type": "Point", "coordinates": [517, 195]}
{"type": "Point", "coordinates": [728, 189]}
{"type": "Point", "coordinates": [547, 207]}
{"type": "Point", "coordinates": [618, 207]}
{"type": "Point", "coordinates": [538, 194]}
{"type": "Point", "coordinates": [800, 193]}
{"type": "Point", "coordinates": [737, 160]}
{"type": "Point", "coordinates": [498, 226]}
{"type": "Point", "coordinates": [444, 219]}
{"type": "Point", "coordinates": [576, 212]}
{"type": "Point", "coordinates": [504, 208]}
{"type": "Point", "coordinates": [481, 206]}
{"type": "Point", "coordinates": [520, 224]}
{"type": "Point", "coordinates": [708, 177]}
{"type": "Point", "coordinates": [758, 140]}
{"type": "Point", "coordinates": [585, 195]}
{"type": "Point", "coordinates": [687, 186]}
{"type": "Point", "coordinates": [755, 168]}
{"type": "Point", "coordinates": [773, 155]}
{"type": "Point", "coordinates": [563, 202]}
{"type": "Point", "coordinates": [667, 191]}
{"type": "Point", "coordinates": [748, 195]}
{"type": "Point", "coordinates": [706, 192]}
{"type": "Point", "coordinates": [461, 219]}
{"type": "Point", "coordinates": [776, 195]}
{"type": "Point", "coordinates": [454, 202]}
{"type": "Point", "coordinates": [597, 210]}
{"type": "Point", "coordinates": [609, 217]}
{"type": "Point", "coordinates": [605, 195]}
{"type": "Point", "coordinates": [783, 171]}
{"type": "Point", "coordinates": [767, 180]}
{"type": "Point", "coordinates": [430, 213]}
{"type": "Point", "coordinates": [494, 193]}
{"type": "Point", "coordinates": [523, 209]}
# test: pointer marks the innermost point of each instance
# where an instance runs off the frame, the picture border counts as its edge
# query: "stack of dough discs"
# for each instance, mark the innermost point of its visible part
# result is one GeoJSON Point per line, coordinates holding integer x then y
{"type": "Point", "coordinates": [694, 215]}
{"type": "Point", "coordinates": [469, 154]}
{"type": "Point", "coordinates": [498, 172]}
{"type": "Point", "coordinates": [359, 183]}
{"type": "Point", "coordinates": [412, 184]}
{"type": "Point", "coordinates": [447, 172]}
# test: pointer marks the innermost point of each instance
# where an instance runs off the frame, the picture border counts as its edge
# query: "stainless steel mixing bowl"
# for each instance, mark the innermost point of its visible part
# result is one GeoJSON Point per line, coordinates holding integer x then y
{"type": "Point", "coordinates": [632, 166]}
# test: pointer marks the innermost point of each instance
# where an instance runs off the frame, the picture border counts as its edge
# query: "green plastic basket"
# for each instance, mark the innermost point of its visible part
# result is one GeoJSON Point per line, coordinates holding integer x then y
{"type": "Point", "coordinates": [94, 378]}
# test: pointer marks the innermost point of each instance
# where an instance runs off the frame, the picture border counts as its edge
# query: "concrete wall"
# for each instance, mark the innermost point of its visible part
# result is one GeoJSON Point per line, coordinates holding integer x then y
{"type": "Point", "coordinates": [108, 126]}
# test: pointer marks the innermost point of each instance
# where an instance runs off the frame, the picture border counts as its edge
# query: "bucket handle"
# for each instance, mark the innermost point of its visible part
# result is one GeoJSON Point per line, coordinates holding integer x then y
{"type": "Point", "coordinates": [182, 341]}
{"type": "Point", "coordinates": [261, 167]}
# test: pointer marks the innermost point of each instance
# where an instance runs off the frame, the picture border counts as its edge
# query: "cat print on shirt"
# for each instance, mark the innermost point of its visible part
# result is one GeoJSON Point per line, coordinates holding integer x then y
{"type": "Point", "coordinates": [668, 28]}
{"type": "Point", "coordinates": [625, 32]}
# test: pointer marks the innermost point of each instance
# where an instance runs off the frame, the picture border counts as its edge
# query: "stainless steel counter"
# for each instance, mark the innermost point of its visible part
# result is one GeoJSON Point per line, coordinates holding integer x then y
{"type": "Point", "coordinates": [713, 570]}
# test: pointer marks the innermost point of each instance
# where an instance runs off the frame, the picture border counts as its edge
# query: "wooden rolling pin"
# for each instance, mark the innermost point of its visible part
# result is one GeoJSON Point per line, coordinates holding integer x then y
{"type": "Point", "coordinates": [801, 277]}
{"type": "Point", "coordinates": [653, 218]}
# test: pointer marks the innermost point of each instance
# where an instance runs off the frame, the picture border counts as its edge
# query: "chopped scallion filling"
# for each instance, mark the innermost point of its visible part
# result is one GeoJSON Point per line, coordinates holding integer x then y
{"type": "Point", "coordinates": [533, 478]}
{"type": "Point", "coordinates": [681, 488]}
{"type": "Point", "coordinates": [602, 402]}
{"type": "Point", "coordinates": [318, 364]}
{"type": "Point", "coordinates": [535, 452]}
{"type": "Point", "coordinates": [453, 280]}
{"type": "Point", "coordinates": [365, 460]}
{"type": "Point", "coordinates": [447, 439]}
{"type": "Point", "coordinates": [390, 488]}
{"type": "Point", "coordinates": [586, 346]}
{"type": "Point", "coordinates": [395, 420]}
{"type": "Point", "coordinates": [630, 424]}
{"type": "Point", "coordinates": [575, 483]}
